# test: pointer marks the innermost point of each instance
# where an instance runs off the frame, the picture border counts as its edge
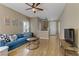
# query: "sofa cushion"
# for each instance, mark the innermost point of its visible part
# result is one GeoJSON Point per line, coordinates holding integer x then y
{"type": "Point", "coordinates": [16, 42]}
{"type": "Point", "coordinates": [21, 40]}
{"type": "Point", "coordinates": [2, 43]}
{"type": "Point", "coordinates": [20, 35]}
{"type": "Point", "coordinates": [28, 34]}
{"type": "Point", "coordinates": [13, 43]}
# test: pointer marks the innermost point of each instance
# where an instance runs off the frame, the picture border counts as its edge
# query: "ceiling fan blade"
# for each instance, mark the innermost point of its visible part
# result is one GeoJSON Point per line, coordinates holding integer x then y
{"type": "Point", "coordinates": [28, 8]}
{"type": "Point", "coordinates": [37, 4]}
{"type": "Point", "coordinates": [39, 9]}
{"type": "Point", "coordinates": [33, 5]}
{"type": "Point", "coordinates": [28, 4]}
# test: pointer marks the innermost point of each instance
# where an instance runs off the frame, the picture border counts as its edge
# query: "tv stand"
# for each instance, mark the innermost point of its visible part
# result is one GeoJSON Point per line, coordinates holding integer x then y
{"type": "Point", "coordinates": [68, 49]}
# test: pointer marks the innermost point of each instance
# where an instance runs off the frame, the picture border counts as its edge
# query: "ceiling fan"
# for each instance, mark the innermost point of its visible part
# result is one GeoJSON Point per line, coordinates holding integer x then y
{"type": "Point", "coordinates": [34, 7]}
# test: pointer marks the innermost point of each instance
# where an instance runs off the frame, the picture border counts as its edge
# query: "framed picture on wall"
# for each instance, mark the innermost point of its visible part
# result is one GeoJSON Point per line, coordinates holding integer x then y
{"type": "Point", "coordinates": [14, 22]}
{"type": "Point", "coordinates": [44, 25]}
{"type": "Point", "coordinates": [7, 21]}
{"type": "Point", "coordinates": [2, 20]}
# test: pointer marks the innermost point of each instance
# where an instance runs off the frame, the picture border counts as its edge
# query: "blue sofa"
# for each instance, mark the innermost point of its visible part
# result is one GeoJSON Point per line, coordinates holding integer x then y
{"type": "Point", "coordinates": [21, 39]}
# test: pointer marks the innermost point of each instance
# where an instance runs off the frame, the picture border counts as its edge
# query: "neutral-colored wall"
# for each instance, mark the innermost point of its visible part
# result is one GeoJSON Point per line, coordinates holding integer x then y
{"type": "Point", "coordinates": [70, 19]}
{"type": "Point", "coordinates": [43, 34]}
{"type": "Point", "coordinates": [34, 25]}
{"type": "Point", "coordinates": [10, 14]}
{"type": "Point", "coordinates": [35, 28]}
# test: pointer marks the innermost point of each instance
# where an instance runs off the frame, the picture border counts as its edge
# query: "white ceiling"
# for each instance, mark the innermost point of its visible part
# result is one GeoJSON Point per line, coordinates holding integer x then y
{"type": "Point", "coordinates": [51, 10]}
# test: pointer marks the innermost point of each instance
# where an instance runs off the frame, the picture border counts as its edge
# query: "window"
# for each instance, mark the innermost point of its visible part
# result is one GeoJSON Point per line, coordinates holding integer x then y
{"type": "Point", "coordinates": [25, 26]}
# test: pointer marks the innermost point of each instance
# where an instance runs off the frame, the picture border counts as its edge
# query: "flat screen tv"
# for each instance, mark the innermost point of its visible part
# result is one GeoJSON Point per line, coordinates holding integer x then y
{"type": "Point", "coordinates": [69, 35]}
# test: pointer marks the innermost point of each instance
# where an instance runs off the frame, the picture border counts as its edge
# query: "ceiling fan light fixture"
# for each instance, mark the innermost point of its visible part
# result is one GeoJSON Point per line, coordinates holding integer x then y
{"type": "Point", "coordinates": [33, 9]}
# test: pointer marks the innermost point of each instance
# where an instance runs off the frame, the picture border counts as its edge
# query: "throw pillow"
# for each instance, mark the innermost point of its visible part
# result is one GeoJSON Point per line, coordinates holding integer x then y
{"type": "Point", "coordinates": [13, 37]}
{"type": "Point", "coordinates": [7, 40]}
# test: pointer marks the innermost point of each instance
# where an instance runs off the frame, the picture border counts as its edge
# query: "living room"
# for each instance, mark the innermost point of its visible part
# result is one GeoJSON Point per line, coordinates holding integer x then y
{"type": "Point", "coordinates": [17, 28]}
{"type": "Point", "coordinates": [15, 23]}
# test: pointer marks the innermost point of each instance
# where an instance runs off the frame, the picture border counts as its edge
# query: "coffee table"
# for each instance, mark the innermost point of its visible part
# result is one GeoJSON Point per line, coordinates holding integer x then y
{"type": "Point", "coordinates": [33, 43]}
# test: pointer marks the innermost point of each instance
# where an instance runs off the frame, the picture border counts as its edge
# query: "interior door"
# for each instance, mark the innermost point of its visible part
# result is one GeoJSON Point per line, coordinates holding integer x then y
{"type": "Point", "coordinates": [53, 29]}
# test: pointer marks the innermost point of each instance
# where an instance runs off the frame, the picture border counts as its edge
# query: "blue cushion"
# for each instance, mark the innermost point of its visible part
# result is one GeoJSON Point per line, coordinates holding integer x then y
{"type": "Point", "coordinates": [16, 43]}
{"type": "Point", "coordinates": [2, 43]}
{"type": "Point", "coordinates": [20, 35]}
{"type": "Point", "coordinates": [20, 40]}
{"type": "Point", "coordinates": [28, 34]}
{"type": "Point", "coordinates": [11, 43]}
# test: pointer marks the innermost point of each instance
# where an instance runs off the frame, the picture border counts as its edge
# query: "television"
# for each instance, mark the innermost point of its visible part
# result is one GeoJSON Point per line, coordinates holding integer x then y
{"type": "Point", "coordinates": [69, 35]}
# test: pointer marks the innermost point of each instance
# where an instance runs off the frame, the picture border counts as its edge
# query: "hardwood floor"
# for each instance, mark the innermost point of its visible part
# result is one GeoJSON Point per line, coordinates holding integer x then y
{"type": "Point", "coordinates": [46, 48]}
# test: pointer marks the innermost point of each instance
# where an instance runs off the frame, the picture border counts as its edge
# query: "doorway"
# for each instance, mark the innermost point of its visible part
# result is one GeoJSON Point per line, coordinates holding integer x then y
{"type": "Point", "coordinates": [53, 29]}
